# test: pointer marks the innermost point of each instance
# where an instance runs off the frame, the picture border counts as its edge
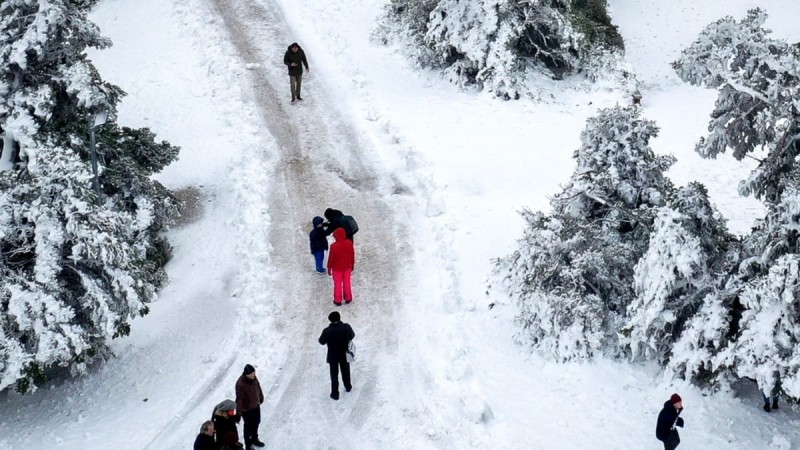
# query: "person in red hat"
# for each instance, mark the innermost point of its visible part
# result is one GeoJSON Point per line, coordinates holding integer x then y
{"type": "Point", "coordinates": [668, 419]}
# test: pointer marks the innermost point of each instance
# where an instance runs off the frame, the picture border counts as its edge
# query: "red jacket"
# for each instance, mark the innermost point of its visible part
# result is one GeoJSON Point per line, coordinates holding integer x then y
{"type": "Point", "coordinates": [342, 255]}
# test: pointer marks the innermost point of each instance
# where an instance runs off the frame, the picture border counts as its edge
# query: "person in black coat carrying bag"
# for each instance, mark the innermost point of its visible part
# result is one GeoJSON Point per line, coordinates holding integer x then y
{"type": "Point", "coordinates": [337, 336]}
{"type": "Point", "coordinates": [668, 419]}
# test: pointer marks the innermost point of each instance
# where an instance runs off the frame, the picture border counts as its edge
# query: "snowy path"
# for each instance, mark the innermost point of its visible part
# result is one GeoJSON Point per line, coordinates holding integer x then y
{"type": "Point", "coordinates": [322, 163]}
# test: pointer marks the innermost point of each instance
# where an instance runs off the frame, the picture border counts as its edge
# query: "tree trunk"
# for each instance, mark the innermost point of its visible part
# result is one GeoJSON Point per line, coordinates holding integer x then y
{"type": "Point", "coordinates": [7, 156]}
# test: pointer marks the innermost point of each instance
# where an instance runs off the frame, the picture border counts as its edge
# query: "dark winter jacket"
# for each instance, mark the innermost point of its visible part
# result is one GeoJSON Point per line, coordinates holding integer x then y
{"type": "Point", "coordinates": [336, 336]}
{"type": "Point", "coordinates": [205, 442]}
{"type": "Point", "coordinates": [667, 421]}
{"type": "Point", "coordinates": [337, 219]}
{"type": "Point", "coordinates": [225, 429]}
{"type": "Point", "coordinates": [342, 255]}
{"type": "Point", "coordinates": [297, 58]}
{"type": "Point", "coordinates": [248, 394]}
{"type": "Point", "coordinates": [317, 237]}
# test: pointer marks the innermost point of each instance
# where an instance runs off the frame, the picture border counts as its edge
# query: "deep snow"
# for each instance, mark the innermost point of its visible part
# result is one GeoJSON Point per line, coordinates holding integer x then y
{"type": "Point", "coordinates": [452, 169]}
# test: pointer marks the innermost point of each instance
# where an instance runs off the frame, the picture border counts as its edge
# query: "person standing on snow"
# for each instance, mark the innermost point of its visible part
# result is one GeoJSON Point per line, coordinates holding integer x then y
{"type": "Point", "coordinates": [295, 59]}
{"type": "Point", "coordinates": [335, 219]}
{"type": "Point", "coordinates": [205, 440]}
{"type": "Point", "coordinates": [337, 337]}
{"type": "Point", "coordinates": [225, 419]}
{"type": "Point", "coordinates": [318, 242]}
{"type": "Point", "coordinates": [341, 263]}
{"type": "Point", "coordinates": [249, 398]}
{"type": "Point", "coordinates": [668, 419]}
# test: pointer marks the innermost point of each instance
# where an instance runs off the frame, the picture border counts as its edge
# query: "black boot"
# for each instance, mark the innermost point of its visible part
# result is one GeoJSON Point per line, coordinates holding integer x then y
{"type": "Point", "coordinates": [775, 404]}
{"type": "Point", "coordinates": [766, 407]}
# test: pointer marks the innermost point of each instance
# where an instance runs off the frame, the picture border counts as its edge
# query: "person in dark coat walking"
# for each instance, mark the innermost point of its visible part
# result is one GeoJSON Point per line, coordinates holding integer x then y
{"type": "Point", "coordinates": [205, 440]}
{"type": "Point", "coordinates": [341, 263]}
{"type": "Point", "coordinates": [337, 336]}
{"type": "Point", "coordinates": [295, 59]}
{"type": "Point", "coordinates": [249, 398]}
{"type": "Point", "coordinates": [668, 419]}
{"type": "Point", "coordinates": [319, 243]}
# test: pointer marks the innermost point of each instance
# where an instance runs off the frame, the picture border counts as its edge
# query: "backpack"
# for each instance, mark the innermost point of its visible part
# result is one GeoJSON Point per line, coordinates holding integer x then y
{"type": "Point", "coordinates": [350, 225]}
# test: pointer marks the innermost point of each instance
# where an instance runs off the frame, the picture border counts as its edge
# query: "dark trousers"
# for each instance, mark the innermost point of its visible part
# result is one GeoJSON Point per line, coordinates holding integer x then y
{"type": "Point", "coordinates": [318, 258]}
{"type": "Point", "coordinates": [672, 441]}
{"type": "Point", "coordinates": [252, 419]}
{"type": "Point", "coordinates": [295, 82]}
{"type": "Point", "coordinates": [335, 376]}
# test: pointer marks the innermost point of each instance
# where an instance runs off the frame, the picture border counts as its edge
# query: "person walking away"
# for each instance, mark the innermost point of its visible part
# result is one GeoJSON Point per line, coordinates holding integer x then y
{"type": "Point", "coordinates": [341, 263]}
{"type": "Point", "coordinates": [224, 418]}
{"type": "Point", "coordinates": [205, 440]}
{"type": "Point", "coordinates": [337, 336]}
{"type": "Point", "coordinates": [668, 419]}
{"type": "Point", "coordinates": [318, 242]}
{"type": "Point", "coordinates": [249, 398]}
{"type": "Point", "coordinates": [295, 59]}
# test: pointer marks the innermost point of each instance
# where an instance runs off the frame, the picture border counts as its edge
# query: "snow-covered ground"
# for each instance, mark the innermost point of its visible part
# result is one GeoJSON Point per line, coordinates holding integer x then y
{"type": "Point", "coordinates": [451, 170]}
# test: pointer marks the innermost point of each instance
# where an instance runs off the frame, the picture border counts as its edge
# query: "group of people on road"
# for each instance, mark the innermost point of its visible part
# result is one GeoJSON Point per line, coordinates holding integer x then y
{"type": "Point", "coordinates": [342, 254]}
{"type": "Point", "coordinates": [338, 336]}
{"type": "Point", "coordinates": [221, 433]}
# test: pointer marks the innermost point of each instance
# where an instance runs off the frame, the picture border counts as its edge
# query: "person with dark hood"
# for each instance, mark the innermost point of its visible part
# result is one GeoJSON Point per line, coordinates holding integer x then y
{"type": "Point", "coordinates": [205, 440]}
{"type": "Point", "coordinates": [341, 263]}
{"type": "Point", "coordinates": [249, 398]}
{"type": "Point", "coordinates": [319, 243]}
{"type": "Point", "coordinates": [295, 59]}
{"type": "Point", "coordinates": [225, 418]}
{"type": "Point", "coordinates": [337, 337]}
{"type": "Point", "coordinates": [668, 419]}
{"type": "Point", "coordinates": [337, 219]}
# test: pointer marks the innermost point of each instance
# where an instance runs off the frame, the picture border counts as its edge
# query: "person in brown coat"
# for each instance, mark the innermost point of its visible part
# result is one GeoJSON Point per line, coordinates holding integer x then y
{"type": "Point", "coordinates": [249, 398]}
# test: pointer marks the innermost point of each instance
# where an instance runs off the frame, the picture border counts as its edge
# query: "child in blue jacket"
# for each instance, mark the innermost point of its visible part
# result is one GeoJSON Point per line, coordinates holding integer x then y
{"type": "Point", "coordinates": [319, 243]}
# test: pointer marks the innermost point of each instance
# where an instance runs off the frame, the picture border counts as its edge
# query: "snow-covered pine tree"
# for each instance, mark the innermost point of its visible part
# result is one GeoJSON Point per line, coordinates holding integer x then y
{"type": "Point", "coordinates": [496, 44]}
{"type": "Point", "coordinates": [759, 98]}
{"type": "Point", "coordinates": [572, 275]}
{"type": "Point", "coordinates": [690, 252]}
{"type": "Point", "coordinates": [76, 266]}
{"type": "Point", "coordinates": [750, 327]}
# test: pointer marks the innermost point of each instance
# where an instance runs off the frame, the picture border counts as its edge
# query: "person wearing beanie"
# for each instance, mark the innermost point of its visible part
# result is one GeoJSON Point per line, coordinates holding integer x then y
{"type": "Point", "coordinates": [337, 337]}
{"type": "Point", "coordinates": [249, 398]}
{"type": "Point", "coordinates": [319, 242]}
{"type": "Point", "coordinates": [668, 420]}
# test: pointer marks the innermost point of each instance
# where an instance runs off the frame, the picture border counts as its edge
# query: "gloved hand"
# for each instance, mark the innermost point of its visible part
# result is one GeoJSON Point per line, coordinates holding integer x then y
{"type": "Point", "coordinates": [679, 422]}
{"type": "Point", "coordinates": [330, 273]}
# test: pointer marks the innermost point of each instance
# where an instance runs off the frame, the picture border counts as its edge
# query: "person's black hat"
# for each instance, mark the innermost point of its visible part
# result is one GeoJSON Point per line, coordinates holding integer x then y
{"type": "Point", "coordinates": [248, 369]}
{"type": "Point", "coordinates": [334, 317]}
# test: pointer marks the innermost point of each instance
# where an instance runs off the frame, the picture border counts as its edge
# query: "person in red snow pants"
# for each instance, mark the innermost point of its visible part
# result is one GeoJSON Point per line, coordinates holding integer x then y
{"type": "Point", "coordinates": [341, 263]}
